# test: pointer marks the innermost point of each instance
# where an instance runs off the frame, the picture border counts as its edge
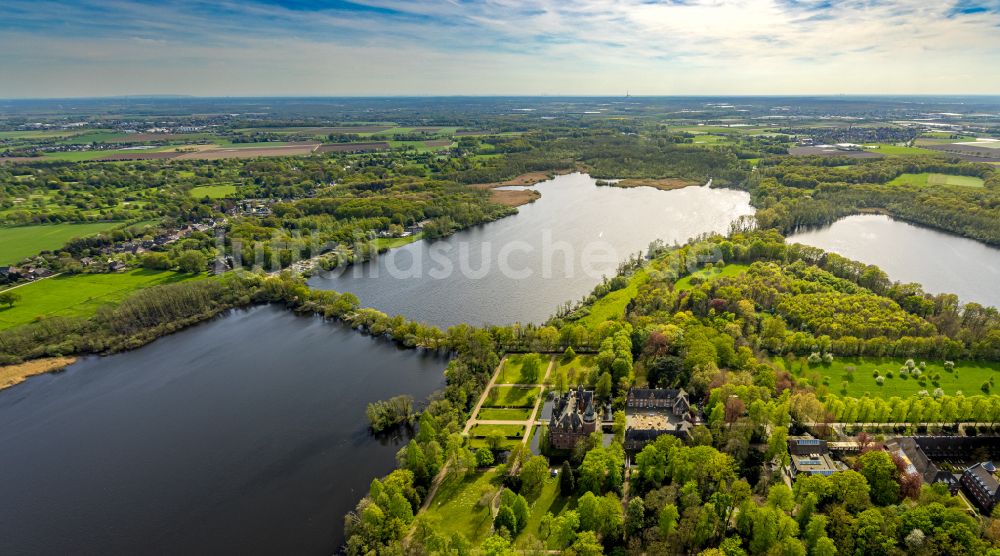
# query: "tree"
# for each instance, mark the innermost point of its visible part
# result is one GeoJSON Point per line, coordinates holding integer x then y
{"type": "Point", "coordinates": [9, 298]}
{"type": "Point", "coordinates": [495, 439]}
{"type": "Point", "coordinates": [586, 544]}
{"type": "Point", "coordinates": [505, 519]}
{"type": "Point", "coordinates": [497, 546]}
{"type": "Point", "coordinates": [530, 366]}
{"type": "Point", "coordinates": [567, 484]}
{"type": "Point", "coordinates": [603, 388]}
{"type": "Point", "coordinates": [484, 457]}
{"type": "Point", "coordinates": [882, 475]}
{"type": "Point", "coordinates": [533, 474]}
{"type": "Point", "coordinates": [191, 262]}
{"type": "Point", "coordinates": [668, 519]}
{"type": "Point", "coordinates": [635, 518]}
{"type": "Point", "coordinates": [851, 488]}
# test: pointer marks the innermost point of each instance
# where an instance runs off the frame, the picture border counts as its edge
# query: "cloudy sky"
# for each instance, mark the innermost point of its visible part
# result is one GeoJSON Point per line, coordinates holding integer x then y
{"type": "Point", "coordinates": [56, 48]}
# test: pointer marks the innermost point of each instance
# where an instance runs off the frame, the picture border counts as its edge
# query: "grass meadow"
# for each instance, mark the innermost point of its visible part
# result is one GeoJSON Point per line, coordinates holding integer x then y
{"type": "Point", "coordinates": [80, 295]}
{"type": "Point", "coordinates": [19, 242]}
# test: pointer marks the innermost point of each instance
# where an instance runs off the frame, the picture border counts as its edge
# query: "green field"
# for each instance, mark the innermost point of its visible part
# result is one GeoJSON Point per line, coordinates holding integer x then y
{"type": "Point", "coordinates": [967, 377]}
{"type": "Point", "coordinates": [580, 370]}
{"type": "Point", "coordinates": [456, 507]}
{"type": "Point", "coordinates": [509, 431]}
{"type": "Point", "coordinates": [548, 501]}
{"type": "Point", "coordinates": [493, 414]}
{"type": "Point", "coordinates": [80, 294]}
{"type": "Point", "coordinates": [710, 274]}
{"type": "Point", "coordinates": [612, 306]}
{"type": "Point", "coordinates": [510, 373]}
{"type": "Point", "coordinates": [926, 179]}
{"type": "Point", "coordinates": [896, 150]}
{"type": "Point", "coordinates": [19, 242]}
{"type": "Point", "coordinates": [511, 396]}
{"type": "Point", "coordinates": [394, 242]}
{"type": "Point", "coordinates": [213, 191]}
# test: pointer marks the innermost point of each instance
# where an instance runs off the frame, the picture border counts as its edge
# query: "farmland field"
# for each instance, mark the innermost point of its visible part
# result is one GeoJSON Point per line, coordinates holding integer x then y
{"type": "Point", "coordinates": [857, 372]}
{"type": "Point", "coordinates": [213, 191]}
{"type": "Point", "coordinates": [937, 180]}
{"type": "Point", "coordinates": [19, 242]}
{"type": "Point", "coordinates": [81, 294]}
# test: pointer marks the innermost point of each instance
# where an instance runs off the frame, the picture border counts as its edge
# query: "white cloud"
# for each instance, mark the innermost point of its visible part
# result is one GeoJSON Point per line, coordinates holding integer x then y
{"type": "Point", "coordinates": [498, 47]}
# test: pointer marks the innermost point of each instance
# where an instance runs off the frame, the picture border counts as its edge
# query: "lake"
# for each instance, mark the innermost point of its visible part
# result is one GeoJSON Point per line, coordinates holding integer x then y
{"type": "Point", "coordinates": [521, 268]}
{"type": "Point", "coordinates": [247, 434]}
{"type": "Point", "coordinates": [243, 435]}
{"type": "Point", "coordinates": [940, 262]}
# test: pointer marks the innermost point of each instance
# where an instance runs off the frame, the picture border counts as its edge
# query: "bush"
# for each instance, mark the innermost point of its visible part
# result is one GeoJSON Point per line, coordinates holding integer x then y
{"type": "Point", "coordinates": [880, 380]}
{"type": "Point", "coordinates": [888, 374]}
{"type": "Point", "coordinates": [814, 358]}
{"type": "Point", "coordinates": [828, 358]}
{"type": "Point", "coordinates": [910, 363]}
{"type": "Point", "coordinates": [875, 373]}
{"type": "Point", "coordinates": [949, 366]}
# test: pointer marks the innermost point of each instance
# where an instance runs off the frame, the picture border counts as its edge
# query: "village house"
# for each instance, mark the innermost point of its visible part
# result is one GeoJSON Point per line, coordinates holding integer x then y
{"type": "Point", "coordinates": [810, 456]}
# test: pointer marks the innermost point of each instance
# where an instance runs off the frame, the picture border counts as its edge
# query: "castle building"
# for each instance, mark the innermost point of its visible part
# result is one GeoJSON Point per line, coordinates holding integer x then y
{"type": "Point", "coordinates": [573, 418]}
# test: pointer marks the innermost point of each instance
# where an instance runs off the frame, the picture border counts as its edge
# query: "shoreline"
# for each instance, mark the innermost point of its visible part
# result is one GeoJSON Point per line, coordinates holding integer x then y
{"type": "Point", "coordinates": [518, 197]}
{"type": "Point", "coordinates": [12, 375]}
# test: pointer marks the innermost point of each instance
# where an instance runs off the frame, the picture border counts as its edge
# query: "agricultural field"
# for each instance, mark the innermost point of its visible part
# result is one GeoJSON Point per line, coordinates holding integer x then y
{"type": "Point", "coordinates": [80, 295]}
{"type": "Point", "coordinates": [19, 242]}
{"type": "Point", "coordinates": [926, 179]}
{"type": "Point", "coordinates": [493, 414]}
{"type": "Point", "coordinates": [709, 274]}
{"type": "Point", "coordinates": [510, 373]}
{"type": "Point", "coordinates": [511, 396]}
{"type": "Point", "coordinates": [896, 150]}
{"type": "Point", "coordinates": [858, 373]}
{"type": "Point", "coordinates": [213, 191]}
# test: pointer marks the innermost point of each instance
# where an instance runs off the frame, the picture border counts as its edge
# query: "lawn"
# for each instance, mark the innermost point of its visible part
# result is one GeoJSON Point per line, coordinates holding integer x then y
{"type": "Point", "coordinates": [456, 507]}
{"type": "Point", "coordinates": [511, 396]}
{"type": "Point", "coordinates": [967, 377]}
{"type": "Point", "coordinates": [612, 306]}
{"type": "Point", "coordinates": [213, 191]}
{"type": "Point", "coordinates": [579, 370]}
{"type": "Point", "coordinates": [937, 180]}
{"type": "Point", "coordinates": [394, 242]}
{"type": "Point", "coordinates": [18, 242]}
{"type": "Point", "coordinates": [81, 294]}
{"type": "Point", "coordinates": [493, 414]}
{"type": "Point", "coordinates": [510, 373]}
{"type": "Point", "coordinates": [548, 501]}
{"type": "Point", "coordinates": [509, 431]}
{"type": "Point", "coordinates": [896, 150]}
{"type": "Point", "coordinates": [710, 274]}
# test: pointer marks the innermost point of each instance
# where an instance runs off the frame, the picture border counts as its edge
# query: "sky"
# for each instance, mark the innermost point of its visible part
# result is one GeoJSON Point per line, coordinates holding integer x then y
{"type": "Point", "coordinates": [59, 48]}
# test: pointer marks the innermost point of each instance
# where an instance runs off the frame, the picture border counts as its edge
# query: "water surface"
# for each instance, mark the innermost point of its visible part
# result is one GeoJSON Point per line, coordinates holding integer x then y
{"type": "Point", "coordinates": [940, 262]}
{"type": "Point", "coordinates": [245, 435]}
{"type": "Point", "coordinates": [521, 268]}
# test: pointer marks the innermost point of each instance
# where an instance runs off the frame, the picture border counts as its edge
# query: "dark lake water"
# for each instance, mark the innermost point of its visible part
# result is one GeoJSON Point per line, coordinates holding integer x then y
{"type": "Point", "coordinates": [244, 435]}
{"type": "Point", "coordinates": [247, 435]}
{"type": "Point", "coordinates": [940, 262]}
{"type": "Point", "coordinates": [521, 268]}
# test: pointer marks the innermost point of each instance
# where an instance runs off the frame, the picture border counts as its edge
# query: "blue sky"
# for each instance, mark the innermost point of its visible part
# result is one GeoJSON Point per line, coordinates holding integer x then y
{"type": "Point", "coordinates": [54, 48]}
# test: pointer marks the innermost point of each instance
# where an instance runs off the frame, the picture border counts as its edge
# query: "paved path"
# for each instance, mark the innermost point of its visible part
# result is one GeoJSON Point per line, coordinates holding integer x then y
{"type": "Point", "coordinates": [31, 282]}
{"type": "Point", "coordinates": [538, 402]}
{"type": "Point", "coordinates": [482, 398]}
